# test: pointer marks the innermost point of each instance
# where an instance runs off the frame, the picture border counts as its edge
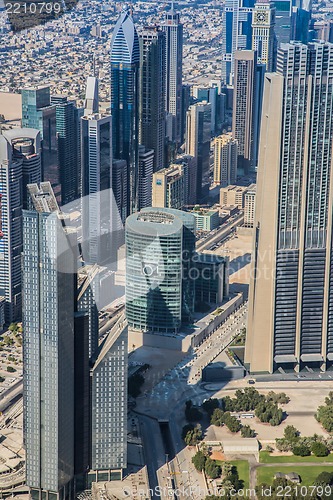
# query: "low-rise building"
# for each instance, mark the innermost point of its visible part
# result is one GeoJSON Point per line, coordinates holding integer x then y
{"type": "Point", "coordinates": [233, 195]}
{"type": "Point", "coordinates": [206, 219]}
{"type": "Point", "coordinates": [249, 206]}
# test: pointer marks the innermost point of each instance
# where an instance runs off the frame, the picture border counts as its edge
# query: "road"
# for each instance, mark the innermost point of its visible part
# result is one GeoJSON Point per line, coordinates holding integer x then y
{"type": "Point", "coordinates": [10, 393]}
{"type": "Point", "coordinates": [220, 234]}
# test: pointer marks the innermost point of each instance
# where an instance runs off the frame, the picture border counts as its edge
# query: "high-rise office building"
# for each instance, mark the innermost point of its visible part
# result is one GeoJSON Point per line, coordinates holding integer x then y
{"type": "Point", "coordinates": [146, 168]}
{"type": "Point", "coordinates": [119, 187]}
{"type": "Point", "coordinates": [197, 143]}
{"type": "Point", "coordinates": [68, 133]}
{"type": "Point", "coordinates": [225, 160]}
{"type": "Point", "coordinates": [236, 34]}
{"type": "Point", "coordinates": [190, 165]}
{"type": "Point", "coordinates": [263, 33]}
{"type": "Point", "coordinates": [170, 187]}
{"type": "Point", "coordinates": [48, 348]}
{"type": "Point", "coordinates": [38, 113]}
{"type": "Point", "coordinates": [291, 302]}
{"type": "Point", "coordinates": [125, 63]}
{"type": "Point", "coordinates": [97, 197]}
{"type": "Point", "coordinates": [300, 22]}
{"type": "Point", "coordinates": [152, 93]}
{"type": "Point", "coordinates": [250, 205]}
{"type": "Point", "coordinates": [20, 164]}
{"type": "Point", "coordinates": [247, 107]}
{"type": "Point", "coordinates": [159, 247]}
{"type": "Point", "coordinates": [109, 406]}
{"type": "Point", "coordinates": [282, 26]}
{"type": "Point", "coordinates": [174, 71]}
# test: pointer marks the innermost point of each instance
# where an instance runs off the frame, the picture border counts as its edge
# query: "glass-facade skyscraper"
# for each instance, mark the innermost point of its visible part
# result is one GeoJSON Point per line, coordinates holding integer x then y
{"type": "Point", "coordinates": [174, 71]}
{"type": "Point", "coordinates": [159, 248]}
{"type": "Point", "coordinates": [152, 93]}
{"type": "Point", "coordinates": [291, 293]}
{"type": "Point", "coordinates": [48, 347]}
{"type": "Point", "coordinates": [236, 34]}
{"type": "Point", "coordinates": [125, 65]}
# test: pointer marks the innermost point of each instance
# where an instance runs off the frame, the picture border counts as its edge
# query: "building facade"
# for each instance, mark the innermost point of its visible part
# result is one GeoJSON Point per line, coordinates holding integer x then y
{"type": "Point", "coordinates": [48, 347]}
{"type": "Point", "coordinates": [291, 302]}
{"type": "Point", "coordinates": [146, 168]}
{"type": "Point", "coordinates": [197, 143]}
{"type": "Point", "coordinates": [125, 64]}
{"type": "Point", "coordinates": [173, 29]}
{"type": "Point", "coordinates": [152, 92]}
{"type": "Point", "coordinates": [263, 33]}
{"type": "Point", "coordinates": [236, 34]}
{"type": "Point", "coordinates": [170, 187]}
{"type": "Point", "coordinates": [97, 198]}
{"type": "Point", "coordinates": [225, 160]}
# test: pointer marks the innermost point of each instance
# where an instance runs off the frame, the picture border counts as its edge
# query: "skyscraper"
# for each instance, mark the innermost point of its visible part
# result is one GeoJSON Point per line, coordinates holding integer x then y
{"type": "Point", "coordinates": [291, 302]}
{"type": "Point", "coordinates": [159, 247]}
{"type": "Point", "coordinates": [109, 406]}
{"type": "Point", "coordinates": [20, 163]}
{"type": "Point", "coordinates": [152, 93]}
{"type": "Point", "coordinates": [197, 143]}
{"type": "Point", "coordinates": [225, 160]}
{"type": "Point", "coordinates": [146, 168]}
{"type": "Point", "coordinates": [283, 21]}
{"type": "Point", "coordinates": [125, 63]}
{"type": "Point", "coordinates": [247, 107]}
{"type": "Point", "coordinates": [174, 70]}
{"type": "Point", "coordinates": [48, 349]}
{"type": "Point", "coordinates": [263, 33]}
{"type": "Point", "coordinates": [38, 113]}
{"type": "Point", "coordinates": [170, 187]}
{"type": "Point", "coordinates": [67, 128]}
{"type": "Point", "coordinates": [97, 198]}
{"type": "Point", "coordinates": [236, 34]}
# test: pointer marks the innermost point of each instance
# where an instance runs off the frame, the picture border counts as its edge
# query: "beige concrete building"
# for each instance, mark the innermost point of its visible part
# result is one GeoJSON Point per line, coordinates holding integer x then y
{"type": "Point", "coordinates": [233, 195]}
{"type": "Point", "coordinates": [290, 325]}
{"type": "Point", "coordinates": [225, 160]}
{"type": "Point", "coordinates": [170, 187]}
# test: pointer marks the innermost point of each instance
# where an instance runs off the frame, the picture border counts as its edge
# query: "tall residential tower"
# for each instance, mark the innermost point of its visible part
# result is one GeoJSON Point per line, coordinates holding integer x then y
{"type": "Point", "coordinates": [290, 322]}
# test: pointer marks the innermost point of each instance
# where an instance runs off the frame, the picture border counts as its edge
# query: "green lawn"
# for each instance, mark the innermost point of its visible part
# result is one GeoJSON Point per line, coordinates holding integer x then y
{"type": "Point", "coordinates": [267, 458]}
{"type": "Point", "coordinates": [243, 470]}
{"type": "Point", "coordinates": [307, 474]}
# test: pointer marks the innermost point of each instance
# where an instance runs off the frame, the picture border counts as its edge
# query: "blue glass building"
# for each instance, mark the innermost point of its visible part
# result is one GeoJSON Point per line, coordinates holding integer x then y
{"type": "Point", "coordinates": [125, 64]}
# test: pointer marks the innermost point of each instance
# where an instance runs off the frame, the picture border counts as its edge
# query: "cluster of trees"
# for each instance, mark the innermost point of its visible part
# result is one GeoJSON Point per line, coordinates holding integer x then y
{"type": "Point", "coordinates": [266, 407]}
{"type": "Point", "coordinates": [228, 472]}
{"type": "Point", "coordinates": [324, 413]}
{"type": "Point", "coordinates": [303, 446]}
{"type": "Point", "coordinates": [191, 434]}
{"type": "Point", "coordinates": [221, 417]}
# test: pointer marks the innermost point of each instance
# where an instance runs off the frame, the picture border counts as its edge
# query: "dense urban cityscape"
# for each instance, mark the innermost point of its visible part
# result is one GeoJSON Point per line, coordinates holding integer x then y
{"type": "Point", "coordinates": [166, 250]}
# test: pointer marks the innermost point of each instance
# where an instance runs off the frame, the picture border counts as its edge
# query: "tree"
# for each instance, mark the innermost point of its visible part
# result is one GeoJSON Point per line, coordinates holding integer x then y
{"type": "Point", "coordinates": [269, 412]}
{"type": "Point", "coordinates": [10, 369]}
{"type": "Point", "coordinates": [193, 436]}
{"type": "Point", "coordinates": [217, 417]}
{"type": "Point", "coordinates": [247, 432]}
{"type": "Point", "coordinates": [212, 470]}
{"type": "Point", "coordinates": [281, 397]}
{"type": "Point", "coordinates": [226, 469]}
{"type": "Point", "coordinates": [231, 422]}
{"type": "Point", "coordinates": [319, 449]}
{"type": "Point", "coordinates": [210, 405]}
{"type": "Point", "coordinates": [325, 478]}
{"type": "Point", "coordinates": [325, 416]}
{"type": "Point", "coordinates": [329, 399]}
{"type": "Point", "coordinates": [291, 433]}
{"type": "Point", "coordinates": [13, 327]}
{"type": "Point", "coordinates": [199, 461]}
{"type": "Point", "coordinates": [2, 379]}
{"type": "Point", "coordinates": [187, 428]}
{"type": "Point", "coordinates": [301, 450]}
